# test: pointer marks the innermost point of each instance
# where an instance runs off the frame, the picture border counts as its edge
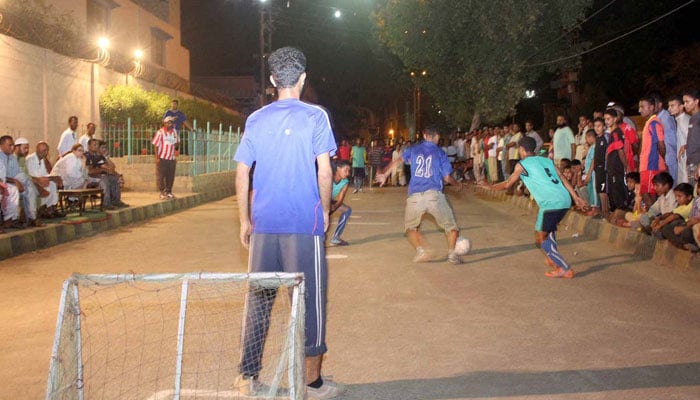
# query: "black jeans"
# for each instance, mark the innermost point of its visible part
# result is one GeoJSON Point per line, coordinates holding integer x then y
{"type": "Point", "coordinates": [165, 175]}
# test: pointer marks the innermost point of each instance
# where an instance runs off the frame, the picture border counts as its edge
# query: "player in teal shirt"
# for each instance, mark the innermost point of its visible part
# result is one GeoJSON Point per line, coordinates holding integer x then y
{"type": "Point", "coordinates": [341, 171]}
{"type": "Point", "coordinates": [553, 195]}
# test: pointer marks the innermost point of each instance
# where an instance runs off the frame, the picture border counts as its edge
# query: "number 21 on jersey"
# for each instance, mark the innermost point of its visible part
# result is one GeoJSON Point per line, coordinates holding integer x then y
{"type": "Point", "coordinates": [423, 166]}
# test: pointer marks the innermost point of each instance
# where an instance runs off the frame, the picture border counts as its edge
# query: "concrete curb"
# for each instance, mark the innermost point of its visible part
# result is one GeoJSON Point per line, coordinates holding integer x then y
{"type": "Point", "coordinates": [639, 244]}
{"type": "Point", "coordinates": [27, 240]}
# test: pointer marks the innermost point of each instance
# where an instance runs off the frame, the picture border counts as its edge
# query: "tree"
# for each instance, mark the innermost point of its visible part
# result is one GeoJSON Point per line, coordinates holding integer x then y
{"type": "Point", "coordinates": [478, 54]}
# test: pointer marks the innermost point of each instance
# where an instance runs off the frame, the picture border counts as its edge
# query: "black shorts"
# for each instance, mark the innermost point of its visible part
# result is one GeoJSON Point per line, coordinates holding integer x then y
{"type": "Point", "coordinates": [600, 178]}
{"type": "Point", "coordinates": [550, 220]}
{"type": "Point", "coordinates": [617, 190]}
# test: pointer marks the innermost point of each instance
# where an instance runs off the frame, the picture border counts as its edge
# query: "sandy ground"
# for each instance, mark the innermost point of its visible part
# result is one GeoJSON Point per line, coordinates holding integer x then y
{"type": "Point", "coordinates": [492, 328]}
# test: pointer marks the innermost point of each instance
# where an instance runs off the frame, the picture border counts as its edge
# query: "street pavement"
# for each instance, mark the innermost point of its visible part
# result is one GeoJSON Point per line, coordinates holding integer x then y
{"type": "Point", "coordinates": [492, 328]}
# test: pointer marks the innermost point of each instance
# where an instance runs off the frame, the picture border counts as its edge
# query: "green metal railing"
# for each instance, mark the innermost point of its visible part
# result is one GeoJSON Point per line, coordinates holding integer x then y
{"type": "Point", "coordinates": [208, 151]}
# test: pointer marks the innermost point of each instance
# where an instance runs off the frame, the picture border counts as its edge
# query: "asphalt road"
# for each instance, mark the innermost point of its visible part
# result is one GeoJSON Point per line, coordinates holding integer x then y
{"type": "Point", "coordinates": [493, 327]}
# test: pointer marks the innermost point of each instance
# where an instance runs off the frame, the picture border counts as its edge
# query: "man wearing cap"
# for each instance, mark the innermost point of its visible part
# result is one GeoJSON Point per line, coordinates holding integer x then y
{"type": "Point", "coordinates": [166, 141]}
{"type": "Point", "coordinates": [8, 191]}
{"type": "Point", "coordinates": [39, 168]}
{"type": "Point", "coordinates": [17, 173]}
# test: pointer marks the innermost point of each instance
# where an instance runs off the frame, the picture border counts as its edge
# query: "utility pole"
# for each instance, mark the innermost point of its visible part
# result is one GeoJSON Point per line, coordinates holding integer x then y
{"type": "Point", "coordinates": [265, 48]}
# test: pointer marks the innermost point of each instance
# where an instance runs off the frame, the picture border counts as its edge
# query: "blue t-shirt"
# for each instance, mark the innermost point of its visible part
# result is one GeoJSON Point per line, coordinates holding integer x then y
{"type": "Point", "coordinates": [179, 118]}
{"type": "Point", "coordinates": [540, 177]}
{"type": "Point", "coordinates": [429, 165]}
{"type": "Point", "coordinates": [283, 139]}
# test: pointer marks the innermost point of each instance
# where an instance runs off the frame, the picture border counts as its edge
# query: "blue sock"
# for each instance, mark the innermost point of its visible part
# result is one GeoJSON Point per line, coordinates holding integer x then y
{"type": "Point", "coordinates": [549, 246]}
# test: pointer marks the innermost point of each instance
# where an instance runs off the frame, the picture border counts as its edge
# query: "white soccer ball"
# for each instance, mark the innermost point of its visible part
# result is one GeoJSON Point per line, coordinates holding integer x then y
{"type": "Point", "coordinates": [463, 246]}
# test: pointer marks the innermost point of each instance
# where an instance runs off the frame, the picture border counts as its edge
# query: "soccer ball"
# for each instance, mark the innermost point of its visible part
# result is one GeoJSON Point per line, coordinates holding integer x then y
{"type": "Point", "coordinates": [463, 246]}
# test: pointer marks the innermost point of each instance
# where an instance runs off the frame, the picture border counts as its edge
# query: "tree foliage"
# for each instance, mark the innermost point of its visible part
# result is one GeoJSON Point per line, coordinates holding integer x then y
{"type": "Point", "coordinates": [476, 53]}
{"type": "Point", "coordinates": [119, 102]}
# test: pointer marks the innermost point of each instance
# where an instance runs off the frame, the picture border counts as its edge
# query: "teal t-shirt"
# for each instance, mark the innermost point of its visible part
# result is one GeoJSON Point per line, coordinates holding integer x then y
{"type": "Point", "coordinates": [358, 156]}
{"type": "Point", "coordinates": [540, 177]}
{"type": "Point", "coordinates": [562, 141]}
{"type": "Point", "coordinates": [337, 187]}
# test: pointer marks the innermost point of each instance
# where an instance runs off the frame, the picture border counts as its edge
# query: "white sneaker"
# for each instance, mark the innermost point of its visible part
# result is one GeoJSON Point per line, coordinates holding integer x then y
{"type": "Point", "coordinates": [421, 256]}
{"type": "Point", "coordinates": [328, 390]}
{"type": "Point", "coordinates": [453, 258]}
{"type": "Point", "coordinates": [252, 387]}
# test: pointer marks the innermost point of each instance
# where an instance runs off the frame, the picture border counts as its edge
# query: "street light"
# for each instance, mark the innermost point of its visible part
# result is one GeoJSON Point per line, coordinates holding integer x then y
{"type": "Point", "coordinates": [417, 97]}
{"type": "Point", "coordinates": [103, 43]}
{"type": "Point", "coordinates": [263, 83]}
{"type": "Point", "coordinates": [337, 14]}
{"type": "Point", "coordinates": [102, 50]}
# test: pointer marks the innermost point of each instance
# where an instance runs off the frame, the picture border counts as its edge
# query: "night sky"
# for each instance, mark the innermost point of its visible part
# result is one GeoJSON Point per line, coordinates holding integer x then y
{"type": "Point", "coordinates": [348, 68]}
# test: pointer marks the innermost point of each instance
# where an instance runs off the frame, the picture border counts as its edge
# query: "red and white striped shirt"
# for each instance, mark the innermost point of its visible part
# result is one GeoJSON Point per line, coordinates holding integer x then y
{"type": "Point", "coordinates": [166, 141]}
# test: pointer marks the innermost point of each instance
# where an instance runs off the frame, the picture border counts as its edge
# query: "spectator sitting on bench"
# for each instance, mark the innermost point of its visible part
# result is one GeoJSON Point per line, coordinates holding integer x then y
{"type": "Point", "coordinates": [105, 152]}
{"type": "Point", "coordinates": [9, 194]}
{"type": "Point", "coordinates": [38, 166]}
{"type": "Point", "coordinates": [102, 174]}
{"type": "Point", "coordinates": [17, 173]}
{"type": "Point", "coordinates": [71, 168]}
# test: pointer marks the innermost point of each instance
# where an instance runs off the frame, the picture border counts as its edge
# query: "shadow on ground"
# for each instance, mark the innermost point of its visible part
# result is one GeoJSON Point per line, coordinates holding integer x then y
{"type": "Point", "coordinates": [488, 384]}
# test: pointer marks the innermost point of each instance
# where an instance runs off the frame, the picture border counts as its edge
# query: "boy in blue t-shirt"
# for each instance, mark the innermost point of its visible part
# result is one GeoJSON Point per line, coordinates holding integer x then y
{"type": "Point", "coordinates": [429, 168]}
{"type": "Point", "coordinates": [291, 143]}
{"type": "Point", "coordinates": [553, 195]}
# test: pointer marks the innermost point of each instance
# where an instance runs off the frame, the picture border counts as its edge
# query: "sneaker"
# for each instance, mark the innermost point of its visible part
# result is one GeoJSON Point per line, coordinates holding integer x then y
{"type": "Point", "coordinates": [354, 191]}
{"type": "Point", "coordinates": [339, 242]}
{"type": "Point", "coordinates": [121, 204]}
{"type": "Point", "coordinates": [421, 256]}
{"type": "Point", "coordinates": [560, 273]}
{"type": "Point", "coordinates": [163, 196]}
{"type": "Point", "coordinates": [453, 258]}
{"type": "Point", "coordinates": [171, 196]}
{"type": "Point", "coordinates": [252, 387]}
{"type": "Point", "coordinates": [328, 390]}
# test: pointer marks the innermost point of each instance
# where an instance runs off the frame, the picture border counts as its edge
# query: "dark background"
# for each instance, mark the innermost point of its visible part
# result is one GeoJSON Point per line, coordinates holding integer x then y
{"type": "Point", "coordinates": [359, 81]}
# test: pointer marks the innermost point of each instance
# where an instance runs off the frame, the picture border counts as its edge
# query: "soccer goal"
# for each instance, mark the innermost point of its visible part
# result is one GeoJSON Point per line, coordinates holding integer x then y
{"type": "Point", "coordinates": [177, 336]}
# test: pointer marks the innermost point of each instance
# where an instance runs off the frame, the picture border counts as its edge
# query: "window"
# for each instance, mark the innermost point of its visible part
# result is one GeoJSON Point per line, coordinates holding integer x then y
{"type": "Point", "coordinates": [158, 39]}
{"type": "Point", "coordinates": [98, 15]}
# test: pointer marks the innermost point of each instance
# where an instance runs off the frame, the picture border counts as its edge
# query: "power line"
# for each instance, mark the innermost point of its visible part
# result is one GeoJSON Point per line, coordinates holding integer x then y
{"type": "Point", "coordinates": [611, 40]}
{"type": "Point", "coordinates": [552, 43]}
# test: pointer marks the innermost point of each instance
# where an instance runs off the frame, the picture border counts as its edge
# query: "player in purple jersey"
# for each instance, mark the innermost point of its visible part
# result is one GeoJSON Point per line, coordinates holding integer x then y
{"type": "Point", "coordinates": [429, 169]}
{"type": "Point", "coordinates": [291, 143]}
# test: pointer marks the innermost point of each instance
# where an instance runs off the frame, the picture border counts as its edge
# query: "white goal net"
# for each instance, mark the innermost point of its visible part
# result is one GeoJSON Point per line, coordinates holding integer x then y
{"type": "Point", "coordinates": [178, 336]}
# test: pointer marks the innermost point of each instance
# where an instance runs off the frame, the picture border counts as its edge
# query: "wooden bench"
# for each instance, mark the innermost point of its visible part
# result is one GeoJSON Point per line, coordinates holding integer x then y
{"type": "Point", "coordinates": [82, 196]}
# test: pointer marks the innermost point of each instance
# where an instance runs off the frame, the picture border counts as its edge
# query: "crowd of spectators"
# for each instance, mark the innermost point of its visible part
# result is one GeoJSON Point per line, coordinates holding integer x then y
{"type": "Point", "coordinates": [641, 177]}
{"type": "Point", "coordinates": [30, 182]}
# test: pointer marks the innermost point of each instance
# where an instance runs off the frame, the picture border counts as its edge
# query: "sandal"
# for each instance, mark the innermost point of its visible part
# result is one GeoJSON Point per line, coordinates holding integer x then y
{"type": "Point", "coordinates": [36, 223]}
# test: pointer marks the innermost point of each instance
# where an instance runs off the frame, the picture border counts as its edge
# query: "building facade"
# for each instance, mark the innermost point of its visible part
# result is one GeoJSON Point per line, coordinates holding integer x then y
{"type": "Point", "coordinates": [151, 26]}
